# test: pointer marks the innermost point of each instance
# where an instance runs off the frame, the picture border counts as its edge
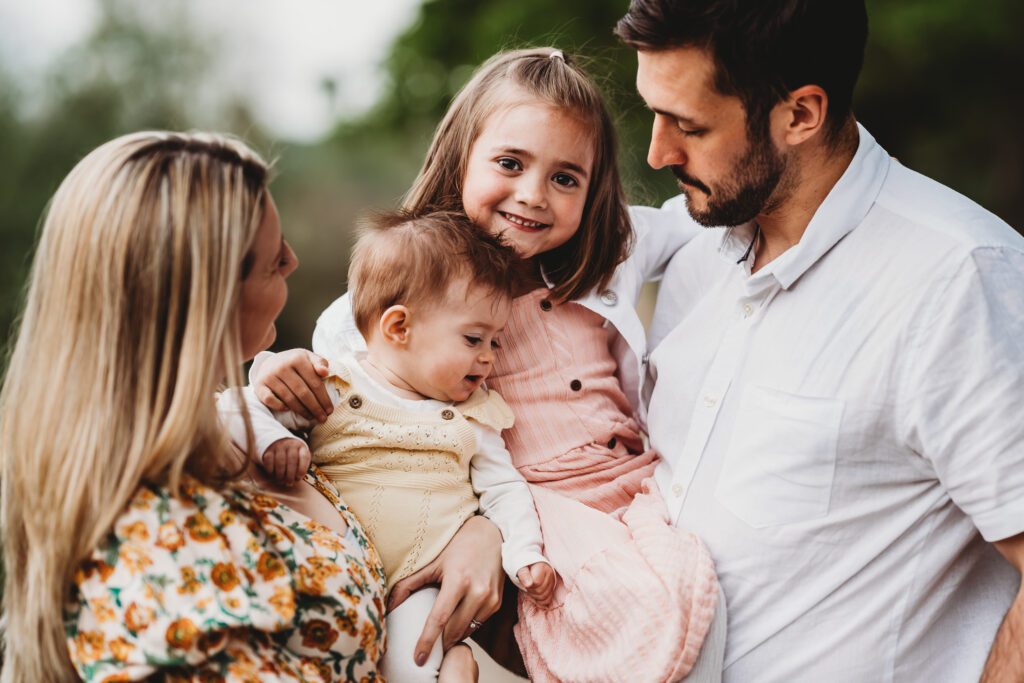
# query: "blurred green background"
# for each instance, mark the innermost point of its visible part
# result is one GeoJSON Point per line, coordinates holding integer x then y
{"type": "Point", "coordinates": [937, 91]}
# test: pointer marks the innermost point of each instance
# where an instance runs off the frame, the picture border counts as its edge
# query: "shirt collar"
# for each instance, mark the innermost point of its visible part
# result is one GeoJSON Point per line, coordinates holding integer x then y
{"type": "Point", "coordinates": [843, 210]}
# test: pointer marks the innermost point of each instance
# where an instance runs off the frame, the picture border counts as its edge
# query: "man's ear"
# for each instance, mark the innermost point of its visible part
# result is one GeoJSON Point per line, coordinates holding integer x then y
{"type": "Point", "coordinates": [394, 325]}
{"type": "Point", "coordinates": [802, 115]}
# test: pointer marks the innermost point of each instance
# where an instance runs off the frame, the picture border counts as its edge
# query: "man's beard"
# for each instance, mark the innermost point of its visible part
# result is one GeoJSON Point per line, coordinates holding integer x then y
{"type": "Point", "coordinates": [747, 191]}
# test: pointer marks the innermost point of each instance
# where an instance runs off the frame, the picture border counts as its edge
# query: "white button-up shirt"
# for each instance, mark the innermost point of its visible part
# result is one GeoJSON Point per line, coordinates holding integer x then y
{"type": "Point", "coordinates": [839, 427]}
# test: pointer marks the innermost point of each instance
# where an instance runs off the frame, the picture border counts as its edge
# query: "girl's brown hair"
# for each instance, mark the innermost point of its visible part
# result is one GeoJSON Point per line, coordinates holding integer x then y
{"type": "Point", "coordinates": [605, 235]}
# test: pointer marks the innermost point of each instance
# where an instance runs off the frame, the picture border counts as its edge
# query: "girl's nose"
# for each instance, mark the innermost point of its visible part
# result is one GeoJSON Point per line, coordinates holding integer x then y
{"type": "Point", "coordinates": [530, 190]}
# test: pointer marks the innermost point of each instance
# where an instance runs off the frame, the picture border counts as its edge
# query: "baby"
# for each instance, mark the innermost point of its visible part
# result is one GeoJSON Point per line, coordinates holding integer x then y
{"type": "Point", "coordinates": [413, 443]}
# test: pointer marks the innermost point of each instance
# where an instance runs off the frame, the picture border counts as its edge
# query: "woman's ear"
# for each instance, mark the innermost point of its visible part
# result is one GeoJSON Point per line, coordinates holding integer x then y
{"type": "Point", "coordinates": [394, 325]}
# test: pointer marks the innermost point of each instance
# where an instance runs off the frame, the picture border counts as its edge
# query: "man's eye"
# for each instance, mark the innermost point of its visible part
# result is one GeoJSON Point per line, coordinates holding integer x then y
{"type": "Point", "coordinates": [691, 132]}
{"type": "Point", "coordinates": [510, 164]}
{"type": "Point", "coordinates": [471, 340]}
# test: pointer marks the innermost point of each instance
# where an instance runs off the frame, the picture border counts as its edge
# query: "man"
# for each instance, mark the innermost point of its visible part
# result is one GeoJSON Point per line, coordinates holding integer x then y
{"type": "Point", "coordinates": [840, 368]}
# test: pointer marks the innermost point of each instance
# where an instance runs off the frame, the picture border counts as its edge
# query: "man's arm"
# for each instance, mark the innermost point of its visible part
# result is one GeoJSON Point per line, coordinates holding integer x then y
{"type": "Point", "coordinates": [1006, 660]}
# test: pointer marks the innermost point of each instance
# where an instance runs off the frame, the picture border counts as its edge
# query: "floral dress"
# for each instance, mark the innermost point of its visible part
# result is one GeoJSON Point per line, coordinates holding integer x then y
{"type": "Point", "coordinates": [227, 585]}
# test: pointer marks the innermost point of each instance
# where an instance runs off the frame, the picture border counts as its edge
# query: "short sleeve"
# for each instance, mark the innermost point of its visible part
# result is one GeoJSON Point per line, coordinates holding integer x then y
{"type": "Point", "coordinates": [964, 388]}
{"type": "Point", "coordinates": [489, 409]}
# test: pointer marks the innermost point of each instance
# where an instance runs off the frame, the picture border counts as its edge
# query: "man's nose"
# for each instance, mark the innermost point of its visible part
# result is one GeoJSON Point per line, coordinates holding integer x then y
{"type": "Point", "coordinates": [665, 149]}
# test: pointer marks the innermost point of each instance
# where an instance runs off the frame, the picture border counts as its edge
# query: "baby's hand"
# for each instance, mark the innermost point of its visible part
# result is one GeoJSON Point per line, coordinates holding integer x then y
{"type": "Point", "coordinates": [539, 581]}
{"type": "Point", "coordinates": [286, 460]}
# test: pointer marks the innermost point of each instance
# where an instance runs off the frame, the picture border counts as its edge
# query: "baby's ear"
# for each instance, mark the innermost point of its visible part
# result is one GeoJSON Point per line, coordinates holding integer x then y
{"type": "Point", "coordinates": [394, 325]}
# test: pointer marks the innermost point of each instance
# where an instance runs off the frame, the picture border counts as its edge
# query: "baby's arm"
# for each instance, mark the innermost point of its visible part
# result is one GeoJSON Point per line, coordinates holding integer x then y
{"type": "Point", "coordinates": [505, 500]}
{"type": "Point", "coordinates": [283, 455]}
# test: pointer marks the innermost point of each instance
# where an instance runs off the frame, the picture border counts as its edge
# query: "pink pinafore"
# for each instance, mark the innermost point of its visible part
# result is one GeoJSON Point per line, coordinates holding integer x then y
{"type": "Point", "coordinates": [637, 595]}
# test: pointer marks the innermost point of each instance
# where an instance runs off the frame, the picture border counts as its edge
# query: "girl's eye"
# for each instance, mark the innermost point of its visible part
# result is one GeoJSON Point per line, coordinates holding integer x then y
{"type": "Point", "coordinates": [471, 340]}
{"type": "Point", "coordinates": [565, 180]}
{"type": "Point", "coordinates": [510, 164]}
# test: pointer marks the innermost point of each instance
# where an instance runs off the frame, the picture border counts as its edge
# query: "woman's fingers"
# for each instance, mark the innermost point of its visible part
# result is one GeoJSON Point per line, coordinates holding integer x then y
{"type": "Point", "coordinates": [293, 380]}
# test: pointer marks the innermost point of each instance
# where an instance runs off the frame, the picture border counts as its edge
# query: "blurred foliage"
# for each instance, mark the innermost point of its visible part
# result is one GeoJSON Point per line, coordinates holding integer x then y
{"type": "Point", "coordinates": [937, 91]}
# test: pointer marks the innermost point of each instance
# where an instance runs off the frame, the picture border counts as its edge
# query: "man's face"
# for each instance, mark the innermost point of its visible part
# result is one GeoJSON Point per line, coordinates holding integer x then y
{"type": "Point", "coordinates": [728, 176]}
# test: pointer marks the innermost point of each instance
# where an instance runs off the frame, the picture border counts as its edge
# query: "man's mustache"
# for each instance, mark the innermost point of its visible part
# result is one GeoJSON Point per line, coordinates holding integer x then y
{"type": "Point", "coordinates": [685, 179]}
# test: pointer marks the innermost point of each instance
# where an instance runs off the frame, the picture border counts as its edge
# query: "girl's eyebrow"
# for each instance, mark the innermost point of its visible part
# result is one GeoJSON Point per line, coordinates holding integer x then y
{"type": "Point", "coordinates": [523, 153]}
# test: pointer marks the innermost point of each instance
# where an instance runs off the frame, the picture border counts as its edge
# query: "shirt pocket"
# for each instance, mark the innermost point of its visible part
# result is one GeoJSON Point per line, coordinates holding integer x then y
{"type": "Point", "coordinates": [780, 462]}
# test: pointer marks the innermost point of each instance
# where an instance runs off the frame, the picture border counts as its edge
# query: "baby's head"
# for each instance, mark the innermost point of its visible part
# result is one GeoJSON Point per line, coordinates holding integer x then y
{"type": "Point", "coordinates": [527, 149]}
{"type": "Point", "coordinates": [430, 294]}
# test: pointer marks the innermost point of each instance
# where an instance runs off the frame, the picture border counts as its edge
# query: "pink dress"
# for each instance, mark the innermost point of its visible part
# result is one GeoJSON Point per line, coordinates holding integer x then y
{"type": "Point", "coordinates": [637, 595]}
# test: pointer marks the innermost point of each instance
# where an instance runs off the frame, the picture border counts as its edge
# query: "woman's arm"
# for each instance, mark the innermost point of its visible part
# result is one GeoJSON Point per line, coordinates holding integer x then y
{"type": "Point", "coordinates": [469, 574]}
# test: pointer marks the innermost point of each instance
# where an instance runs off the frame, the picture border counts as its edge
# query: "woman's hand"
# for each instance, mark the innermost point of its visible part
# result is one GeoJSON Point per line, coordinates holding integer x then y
{"type": "Point", "coordinates": [294, 380]}
{"type": "Point", "coordinates": [469, 573]}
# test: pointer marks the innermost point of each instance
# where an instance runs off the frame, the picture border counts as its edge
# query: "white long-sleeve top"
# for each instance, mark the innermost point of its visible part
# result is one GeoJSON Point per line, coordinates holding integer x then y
{"type": "Point", "coordinates": [503, 493]}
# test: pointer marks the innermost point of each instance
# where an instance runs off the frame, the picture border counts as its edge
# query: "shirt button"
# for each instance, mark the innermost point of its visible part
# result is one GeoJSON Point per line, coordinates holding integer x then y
{"type": "Point", "coordinates": [355, 402]}
{"type": "Point", "coordinates": [545, 305]}
{"type": "Point", "coordinates": [677, 489]}
{"type": "Point", "coordinates": [447, 414]}
{"type": "Point", "coordinates": [575, 385]}
{"type": "Point", "coordinates": [747, 310]}
{"type": "Point", "coordinates": [710, 401]}
{"type": "Point", "coordinates": [609, 298]}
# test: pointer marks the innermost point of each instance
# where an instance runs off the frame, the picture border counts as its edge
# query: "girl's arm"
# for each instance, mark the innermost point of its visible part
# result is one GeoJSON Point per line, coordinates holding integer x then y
{"type": "Point", "coordinates": [505, 500]}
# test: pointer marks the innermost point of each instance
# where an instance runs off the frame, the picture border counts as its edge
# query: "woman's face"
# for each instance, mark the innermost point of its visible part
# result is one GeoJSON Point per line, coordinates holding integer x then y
{"type": "Point", "coordinates": [264, 290]}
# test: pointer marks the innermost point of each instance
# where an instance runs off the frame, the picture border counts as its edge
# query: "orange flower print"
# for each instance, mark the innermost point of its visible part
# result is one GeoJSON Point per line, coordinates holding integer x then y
{"type": "Point", "coordinates": [224, 576]}
{"type": "Point", "coordinates": [270, 566]}
{"type": "Point", "coordinates": [136, 531]}
{"type": "Point", "coordinates": [232, 603]}
{"type": "Point", "coordinates": [317, 633]}
{"type": "Point", "coordinates": [137, 617]}
{"type": "Point", "coordinates": [227, 518]}
{"type": "Point", "coordinates": [283, 602]}
{"type": "Point", "coordinates": [102, 609]}
{"type": "Point", "coordinates": [143, 497]}
{"type": "Point", "coordinates": [242, 668]}
{"type": "Point", "coordinates": [119, 677]}
{"type": "Point", "coordinates": [89, 646]}
{"type": "Point", "coordinates": [314, 670]}
{"type": "Point", "coordinates": [189, 583]}
{"type": "Point", "coordinates": [261, 502]}
{"type": "Point", "coordinates": [310, 582]}
{"type": "Point", "coordinates": [368, 637]}
{"type": "Point", "coordinates": [326, 538]}
{"type": "Point", "coordinates": [181, 634]}
{"type": "Point", "coordinates": [347, 621]}
{"type": "Point", "coordinates": [199, 528]}
{"type": "Point", "coordinates": [120, 648]}
{"type": "Point", "coordinates": [169, 536]}
{"type": "Point", "coordinates": [133, 558]}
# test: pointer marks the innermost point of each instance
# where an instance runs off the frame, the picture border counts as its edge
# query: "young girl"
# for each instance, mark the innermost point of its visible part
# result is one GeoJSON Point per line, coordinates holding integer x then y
{"type": "Point", "coordinates": [528, 150]}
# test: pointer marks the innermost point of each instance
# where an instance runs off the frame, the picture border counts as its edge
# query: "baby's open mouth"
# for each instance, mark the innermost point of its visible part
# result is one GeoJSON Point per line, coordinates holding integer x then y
{"type": "Point", "coordinates": [524, 222]}
{"type": "Point", "coordinates": [473, 378]}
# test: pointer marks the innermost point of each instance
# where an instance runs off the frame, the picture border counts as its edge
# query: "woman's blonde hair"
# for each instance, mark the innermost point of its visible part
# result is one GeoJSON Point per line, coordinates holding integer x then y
{"type": "Point", "coordinates": [130, 323]}
{"type": "Point", "coordinates": [604, 238]}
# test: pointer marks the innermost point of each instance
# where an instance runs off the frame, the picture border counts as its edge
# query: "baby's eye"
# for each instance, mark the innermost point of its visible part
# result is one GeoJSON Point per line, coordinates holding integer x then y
{"type": "Point", "coordinates": [471, 340]}
{"type": "Point", "coordinates": [510, 164]}
{"type": "Point", "coordinates": [495, 344]}
{"type": "Point", "coordinates": [565, 180]}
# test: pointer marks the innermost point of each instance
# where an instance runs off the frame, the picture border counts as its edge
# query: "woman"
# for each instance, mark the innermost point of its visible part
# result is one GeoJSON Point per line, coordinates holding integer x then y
{"type": "Point", "coordinates": [134, 540]}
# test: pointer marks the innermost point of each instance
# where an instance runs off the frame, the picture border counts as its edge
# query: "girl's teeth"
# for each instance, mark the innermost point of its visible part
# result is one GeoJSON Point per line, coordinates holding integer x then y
{"type": "Point", "coordinates": [523, 222]}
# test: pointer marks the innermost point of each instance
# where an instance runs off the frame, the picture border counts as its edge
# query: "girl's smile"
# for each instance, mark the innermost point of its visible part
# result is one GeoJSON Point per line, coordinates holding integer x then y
{"type": "Point", "coordinates": [527, 176]}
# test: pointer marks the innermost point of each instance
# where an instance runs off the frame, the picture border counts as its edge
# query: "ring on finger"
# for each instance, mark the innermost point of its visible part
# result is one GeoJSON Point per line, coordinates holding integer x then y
{"type": "Point", "coordinates": [474, 625]}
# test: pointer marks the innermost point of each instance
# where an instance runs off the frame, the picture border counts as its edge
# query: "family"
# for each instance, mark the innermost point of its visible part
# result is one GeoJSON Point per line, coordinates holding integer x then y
{"type": "Point", "coordinates": [807, 468]}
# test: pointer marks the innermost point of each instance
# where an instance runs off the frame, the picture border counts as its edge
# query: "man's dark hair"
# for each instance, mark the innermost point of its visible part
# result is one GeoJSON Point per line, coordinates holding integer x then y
{"type": "Point", "coordinates": [762, 49]}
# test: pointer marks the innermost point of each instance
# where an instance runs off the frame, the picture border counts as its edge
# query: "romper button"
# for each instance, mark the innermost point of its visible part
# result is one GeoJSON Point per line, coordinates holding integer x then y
{"type": "Point", "coordinates": [355, 402]}
{"type": "Point", "coordinates": [575, 385]}
{"type": "Point", "coordinates": [677, 489]}
{"type": "Point", "coordinates": [609, 298]}
{"type": "Point", "coordinates": [447, 414]}
{"type": "Point", "coordinates": [545, 304]}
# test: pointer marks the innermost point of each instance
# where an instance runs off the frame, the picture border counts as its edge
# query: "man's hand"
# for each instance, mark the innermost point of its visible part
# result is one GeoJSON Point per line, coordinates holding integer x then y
{"type": "Point", "coordinates": [294, 380]}
{"type": "Point", "coordinates": [286, 460]}
{"type": "Point", "coordinates": [469, 573]}
{"type": "Point", "coordinates": [1006, 660]}
{"type": "Point", "coordinates": [538, 580]}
